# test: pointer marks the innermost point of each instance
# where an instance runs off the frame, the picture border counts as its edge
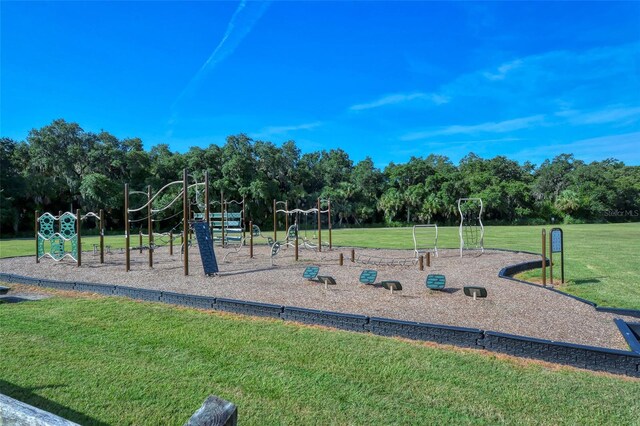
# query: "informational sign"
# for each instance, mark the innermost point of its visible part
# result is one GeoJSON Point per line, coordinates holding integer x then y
{"type": "Point", "coordinates": [556, 240]}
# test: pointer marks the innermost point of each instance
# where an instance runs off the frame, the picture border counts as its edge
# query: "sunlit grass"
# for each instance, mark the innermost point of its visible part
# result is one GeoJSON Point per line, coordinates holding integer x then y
{"type": "Point", "coordinates": [113, 361]}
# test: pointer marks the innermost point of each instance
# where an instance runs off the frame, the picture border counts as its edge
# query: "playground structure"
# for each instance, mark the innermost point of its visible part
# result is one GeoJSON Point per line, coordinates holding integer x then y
{"type": "Point", "coordinates": [227, 227]}
{"type": "Point", "coordinates": [471, 228]}
{"type": "Point", "coordinates": [293, 231]}
{"type": "Point", "coordinates": [69, 231]}
{"type": "Point", "coordinates": [419, 248]}
{"type": "Point", "coordinates": [186, 222]}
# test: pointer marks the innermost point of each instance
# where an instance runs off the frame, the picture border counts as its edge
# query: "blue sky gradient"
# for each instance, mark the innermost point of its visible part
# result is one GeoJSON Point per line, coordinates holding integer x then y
{"type": "Point", "coordinates": [387, 80]}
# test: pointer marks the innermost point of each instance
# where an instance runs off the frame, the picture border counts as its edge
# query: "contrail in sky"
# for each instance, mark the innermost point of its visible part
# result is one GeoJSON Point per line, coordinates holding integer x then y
{"type": "Point", "coordinates": [241, 23]}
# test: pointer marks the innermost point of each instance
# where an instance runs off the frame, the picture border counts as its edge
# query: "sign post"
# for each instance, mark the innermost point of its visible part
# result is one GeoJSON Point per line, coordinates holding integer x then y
{"type": "Point", "coordinates": [544, 257]}
{"type": "Point", "coordinates": [556, 245]}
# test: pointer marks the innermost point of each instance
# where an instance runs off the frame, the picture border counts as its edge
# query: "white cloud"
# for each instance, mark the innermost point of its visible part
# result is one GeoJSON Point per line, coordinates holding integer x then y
{"type": "Point", "coordinates": [621, 146]}
{"type": "Point", "coordinates": [611, 115]}
{"type": "Point", "coordinates": [240, 25]}
{"type": "Point", "coordinates": [488, 127]}
{"type": "Point", "coordinates": [578, 78]}
{"type": "Point", "coordinates": [503, 70]}
{"type": "Point", "coordinates": [279, 130]}
{"type": "Point", "coordinates": [400, 98]}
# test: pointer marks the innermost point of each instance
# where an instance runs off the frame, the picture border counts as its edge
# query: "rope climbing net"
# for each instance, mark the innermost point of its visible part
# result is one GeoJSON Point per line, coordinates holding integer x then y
{"type": "Point", "coordinates": [471, 228]}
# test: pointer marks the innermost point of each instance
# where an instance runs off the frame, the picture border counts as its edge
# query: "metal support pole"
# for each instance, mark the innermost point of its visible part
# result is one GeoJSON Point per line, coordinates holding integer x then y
{"type": "Point", "coordinates": [170, 243]}
{"type": "Point", "coordinates": [297, 243]}
{"type": "Point", "coordinates": [127, 242]}
{"type": "Point", "coordinates": [207, 208]}
{"type": "Point", "coordinates": [37, 239]}
{"type": "Point", "coordinates": [353, 255]}
{"type": "Point", "coordinates": [150, 226]}
{"type": "Point", "coordinates": [251, 239]}
{"type": "Point", "coordinates": [275, 226]}
{"type": "Point", "coordinates": [185, 218]}
{"type": "Point", "coordinates": [341, 259]}
{"type": "Point", "coordinates": [428, 259]}
{"type": "Point", "coordinates": [319, 228]}
{"type": "Point", "coordinates": [421, 262]}
{"type": "Point", "coordinates": [329, 219]}
{"type": "Point", "coordinates": [544, 258]}
{"type": "Point", "coordinates": [79, 236]}
{"type": "Point", "coordinates": [222, 221]}
{"type": "Point", "coordinates": [550, 258]}
{"type": "Point", "coordinates": [140, 238]}
{"type": "Point", "coordinates": [101, 236]}
{"type": "Point", "coordinates": [562, 262]}
{"type": "Point", "coordinates": [286, 219]}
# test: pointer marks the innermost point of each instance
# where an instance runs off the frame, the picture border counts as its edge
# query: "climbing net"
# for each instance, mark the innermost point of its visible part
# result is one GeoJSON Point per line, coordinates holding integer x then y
{"type": "Point", "coordinates": [471, 228]}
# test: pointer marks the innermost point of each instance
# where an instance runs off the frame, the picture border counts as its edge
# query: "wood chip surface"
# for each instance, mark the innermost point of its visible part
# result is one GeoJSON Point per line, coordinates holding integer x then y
{"type": "Point", "coordinates": [510, 307]}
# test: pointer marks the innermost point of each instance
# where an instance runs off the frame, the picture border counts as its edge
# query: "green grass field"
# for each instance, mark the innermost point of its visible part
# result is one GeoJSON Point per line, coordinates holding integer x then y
{"type": "Point", "coordinates": [602, 261]}
{"type": "Point", "coordinates": [113, 361]}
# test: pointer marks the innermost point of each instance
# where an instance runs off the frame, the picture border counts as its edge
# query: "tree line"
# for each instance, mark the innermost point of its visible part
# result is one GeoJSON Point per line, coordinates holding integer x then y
{"type": "Point", "coordinates": [60, 167]}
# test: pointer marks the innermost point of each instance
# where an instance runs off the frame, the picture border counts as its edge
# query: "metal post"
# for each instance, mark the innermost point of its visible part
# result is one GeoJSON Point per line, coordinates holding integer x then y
{"type": "Point", "coordinates": [329, 220]}
{"type": "Point", "coordinates": [421, 262]}
{"type": "Point", "coordinates": [170, 243]}
{"type": "Point", "coordinates": [544, 257]}
{"type": "Point", "coordinates": [319, 228]}
{"type": "Point", "coordinates": [140, 238]}
{"type": "Point", "coordinates": [251, 239]}
{"type": "Point", "coordinates": [341, 259]}
{"type": "Point", "coordinates": [297, 243]}
{"type": "Point", "coordinates": [79, 236]}
{"type": "Point", "coordinates": [243, 223]}
{"type": "Point", "coordinates": [353, 255]}
{"type": "Point", "coordinates": [101, 236]}
{"type": "Point", "coordinates": [150, 226]}
{"type": "Point", "coordinates": [127, 243]}
{"type": "Point", "coordinates": [222, 223]}
{"type": "Point", "coordinates": [550, 258]}
{"type": "Point", "coordinates": [37, 239]}
{"type": "Point", "coordinates": [286, 220]}
{"type": "Point", "coordinates": [207, 209]}
{"type": "Point", "coordinates": [562, 260]}
{"type": "Point", "coordinates": [428, 259]}
{"type": "Point", "coordinates": [185, 218]}
{"type": "Point", "coordinates": [275, 226]}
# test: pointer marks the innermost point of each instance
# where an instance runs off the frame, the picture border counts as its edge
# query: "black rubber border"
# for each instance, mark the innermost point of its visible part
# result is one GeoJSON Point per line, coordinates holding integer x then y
{"type": "Point", "coordinates": [587, 357]}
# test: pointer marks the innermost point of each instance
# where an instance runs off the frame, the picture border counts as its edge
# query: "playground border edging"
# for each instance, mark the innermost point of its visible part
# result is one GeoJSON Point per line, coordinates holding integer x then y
{"type": "Point", "coordinates": [508, 271]}
{"type": "Point", "coordinates": [588, 357]}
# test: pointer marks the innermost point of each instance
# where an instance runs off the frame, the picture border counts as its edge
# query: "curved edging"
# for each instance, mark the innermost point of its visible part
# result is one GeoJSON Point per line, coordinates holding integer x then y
{"type": "Point", "coordinates": [508, 271]}
{"type": "Point", "coordinates": [581, 356]}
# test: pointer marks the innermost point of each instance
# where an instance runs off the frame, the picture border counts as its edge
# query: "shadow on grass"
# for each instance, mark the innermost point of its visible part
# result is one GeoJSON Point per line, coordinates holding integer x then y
{"type": "Point", "coordinates": [28, 396]}
{"type": "Point", "coordinates": [592, 280]}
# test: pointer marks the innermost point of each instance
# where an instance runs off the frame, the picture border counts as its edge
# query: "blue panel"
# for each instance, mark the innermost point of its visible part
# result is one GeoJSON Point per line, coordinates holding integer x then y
{"type": "Point", "coordinates": [205, 243]}
{"type": "Point", "coordinates": [310, 272]}
{"type": "Point", "coordinates": [435, 281]}
{"type": "Point", "coordinates": [368, 276]}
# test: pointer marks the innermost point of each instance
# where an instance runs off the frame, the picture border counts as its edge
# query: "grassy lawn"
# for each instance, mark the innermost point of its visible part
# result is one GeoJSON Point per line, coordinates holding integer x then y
{"type": "Point", "coordinates": [602, 261]}
{"type": "Point", "coordinates": [101, 360]}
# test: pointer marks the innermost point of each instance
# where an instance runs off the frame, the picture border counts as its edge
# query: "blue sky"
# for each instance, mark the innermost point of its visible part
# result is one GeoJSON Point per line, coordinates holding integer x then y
{"type": "Point", "coordinates": [387, 80]}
